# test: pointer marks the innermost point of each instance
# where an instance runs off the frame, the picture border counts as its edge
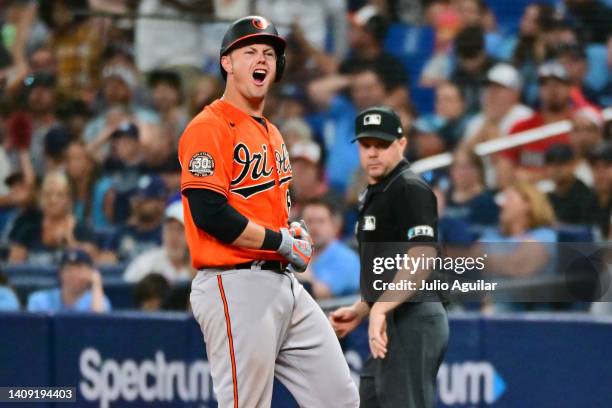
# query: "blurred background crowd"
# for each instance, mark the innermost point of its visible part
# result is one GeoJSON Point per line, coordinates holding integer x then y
{"type": "Point", "coordinates": [94, 96]}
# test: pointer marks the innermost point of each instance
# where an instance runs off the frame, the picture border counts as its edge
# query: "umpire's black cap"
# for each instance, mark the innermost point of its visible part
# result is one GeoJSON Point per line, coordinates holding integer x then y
{"type": "Point", "coordinates": [379, 122]}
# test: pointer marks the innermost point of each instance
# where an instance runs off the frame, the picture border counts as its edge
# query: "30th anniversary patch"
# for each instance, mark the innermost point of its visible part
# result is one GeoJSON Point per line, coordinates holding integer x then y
{"type": "Point", "coordinates": [202, 164]}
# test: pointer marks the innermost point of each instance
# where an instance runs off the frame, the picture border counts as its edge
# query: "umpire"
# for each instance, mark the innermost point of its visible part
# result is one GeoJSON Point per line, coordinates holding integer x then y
{"type": "Point", "coordinates": [407, 337]}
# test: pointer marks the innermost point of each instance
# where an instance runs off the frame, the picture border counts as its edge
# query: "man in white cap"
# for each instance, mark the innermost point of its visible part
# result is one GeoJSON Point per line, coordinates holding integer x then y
{"type": "Point", "coordinates": [170, 260]}
{"type": "Point", "coordinates": [501, 107]}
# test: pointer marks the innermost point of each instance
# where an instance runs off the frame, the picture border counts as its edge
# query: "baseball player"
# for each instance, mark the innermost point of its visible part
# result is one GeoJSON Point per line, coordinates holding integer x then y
{"type": "Point", "coordinates": [258, 321]}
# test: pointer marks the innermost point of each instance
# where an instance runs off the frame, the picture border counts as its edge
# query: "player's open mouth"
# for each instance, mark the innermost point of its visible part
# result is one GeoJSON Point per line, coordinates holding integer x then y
{"type": "Point", "coordinates": [259, 75]}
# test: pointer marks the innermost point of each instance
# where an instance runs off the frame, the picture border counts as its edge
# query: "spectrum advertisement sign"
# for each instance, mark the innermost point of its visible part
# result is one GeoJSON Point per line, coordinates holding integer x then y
{"type": "Point", "coordinates": [130, 360]}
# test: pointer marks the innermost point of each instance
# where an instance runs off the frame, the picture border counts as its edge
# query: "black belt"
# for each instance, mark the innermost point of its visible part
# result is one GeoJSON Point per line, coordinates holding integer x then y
{"type": "Point", "coordinates": [275, 266]}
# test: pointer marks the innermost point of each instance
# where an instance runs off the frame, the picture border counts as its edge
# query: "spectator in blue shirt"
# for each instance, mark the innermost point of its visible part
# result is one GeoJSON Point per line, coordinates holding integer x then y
{"type": "Point", "coordinates": [526, 220]}
{"type": "Point", "coordinates": [80, 288]}
{"type": "Point", "coordinates": [367, 87]}
{"type": "Point", "coordinates": [334, 270]}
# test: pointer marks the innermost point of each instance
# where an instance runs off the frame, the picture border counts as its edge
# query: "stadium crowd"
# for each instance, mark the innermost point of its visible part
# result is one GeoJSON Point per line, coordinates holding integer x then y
{"type": "Point", "coordinates": [94, 96]}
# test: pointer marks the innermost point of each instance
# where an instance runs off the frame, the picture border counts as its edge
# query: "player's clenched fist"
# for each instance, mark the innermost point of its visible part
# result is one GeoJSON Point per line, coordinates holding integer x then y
{"type": "Point", "coordinates": [299, 230]}
{"type": "Point", "coordinates": [297, 251]}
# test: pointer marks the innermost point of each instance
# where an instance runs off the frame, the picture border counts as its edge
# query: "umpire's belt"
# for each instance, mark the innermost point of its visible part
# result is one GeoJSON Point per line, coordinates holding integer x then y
{"type": "Point", "coordinates": [275, 266]}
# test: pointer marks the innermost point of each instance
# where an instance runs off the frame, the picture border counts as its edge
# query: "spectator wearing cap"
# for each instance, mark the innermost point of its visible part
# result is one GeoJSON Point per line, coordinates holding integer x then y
{"type": "Point", "coordinates": [144, 228]}
{"type": "Point", "coordinates": [118, 105]}
{"type": "Point", "coordinates": [501, 107]}
{"type": "Point", "coordinates": [586, 134]}
{"type": "Point", "coordinates": [472, 65]}
{"type": "Point", "coordinates": [334, 269]}
{"type": "Point", "coordinates": [290, 102]}
{"type": "Point", "coordinates": [601, 163]}
{"type": "Point", "coordinates": [170, 172]}
{"type": "Point", "coordinates": [572, 200]}
{"type": "Point", "coordinates": [56, 142]}
{"type": "Point", "coordinates": [308, 180]}
{"type": "Point", "coordinates": [77, 44]}
{"type": "Point", "coordinates": [555, 105]}
{"type": "Point", "coordinates": [167, 96]}
{"type": "Point", "coordinates": [170, 260]}
{"type": "Point", "coordinates": [80, 288]}
{"type": "Point", "coordinates": [40, 233]}
{"type": "Point", "coordinates": [574, 58]}
{"type": "Point", "coordinates": [428, 140]}
{"type": "Point", "coordinates": [123, 169]}
{"type": "Point", "coordinates": [294, 131]}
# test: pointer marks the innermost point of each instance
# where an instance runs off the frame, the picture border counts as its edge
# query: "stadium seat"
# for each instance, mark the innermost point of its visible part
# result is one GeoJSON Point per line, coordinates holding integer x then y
{"type": "Point", "coordinates": [575, 233]}
{"type": "Point", "coordinates": [508, 13]}
{"type": "Point", "coordinates": [598, 73]}
{"type": "Point", "coordinates": [423, 99]}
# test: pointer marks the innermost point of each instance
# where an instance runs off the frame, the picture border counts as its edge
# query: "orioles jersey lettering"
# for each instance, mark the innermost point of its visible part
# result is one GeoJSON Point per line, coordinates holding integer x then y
{"type": "Point", "coordinates": [225, 150]}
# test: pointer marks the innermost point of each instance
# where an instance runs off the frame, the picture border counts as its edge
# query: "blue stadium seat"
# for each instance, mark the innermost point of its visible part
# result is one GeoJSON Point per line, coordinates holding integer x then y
{"type": "Point", "coordinates": [598, 74]}
{"type": "Point", "coordinates": [508, 13]}
{"type": "Point", "coordinates": [575, 233]}
{"type": "Point", "coordinates": [413, 45]}
{"type": "Point", "coordinates": [423, 99]}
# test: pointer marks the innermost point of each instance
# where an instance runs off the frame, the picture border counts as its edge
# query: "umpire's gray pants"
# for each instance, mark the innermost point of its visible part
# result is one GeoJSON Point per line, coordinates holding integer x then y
{"type": "Point", "coordinates": [259, 324]}
{"type": "Point", "coordinates": [406, 377]}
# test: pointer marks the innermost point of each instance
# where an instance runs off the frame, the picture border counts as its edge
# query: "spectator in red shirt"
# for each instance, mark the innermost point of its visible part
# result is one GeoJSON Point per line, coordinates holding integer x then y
{"type": "Point", "coordinates": [555, 106]}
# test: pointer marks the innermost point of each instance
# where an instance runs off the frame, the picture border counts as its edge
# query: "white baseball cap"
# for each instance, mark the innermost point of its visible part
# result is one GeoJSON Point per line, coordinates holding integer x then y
{"type": "Point", "coordinates": [505, 75]}
{"type": "Point", "coordinates": [174, 211]}
{"type": "Point", "coordinates": [306, 149]}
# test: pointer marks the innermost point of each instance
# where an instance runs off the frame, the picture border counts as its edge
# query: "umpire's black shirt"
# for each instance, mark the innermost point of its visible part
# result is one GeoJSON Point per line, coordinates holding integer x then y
{"type": "Point", "coordinates": [400, 208]}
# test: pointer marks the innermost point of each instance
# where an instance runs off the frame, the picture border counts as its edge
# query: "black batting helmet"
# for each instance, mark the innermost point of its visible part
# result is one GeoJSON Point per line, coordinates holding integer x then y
{"type": "Point", "coordinates": [252, 27]}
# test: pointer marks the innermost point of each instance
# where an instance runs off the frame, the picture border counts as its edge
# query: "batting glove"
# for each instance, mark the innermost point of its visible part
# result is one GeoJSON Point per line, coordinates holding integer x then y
{"type": "Point", "coordinates": [297, 251]}
{"type": "Point", "coordinates": [299, 230]}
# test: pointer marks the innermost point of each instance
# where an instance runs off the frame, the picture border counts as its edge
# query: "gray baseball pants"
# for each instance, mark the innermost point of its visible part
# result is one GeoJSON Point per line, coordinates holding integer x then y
{"type": "Point", "coordinates": [260, 324]}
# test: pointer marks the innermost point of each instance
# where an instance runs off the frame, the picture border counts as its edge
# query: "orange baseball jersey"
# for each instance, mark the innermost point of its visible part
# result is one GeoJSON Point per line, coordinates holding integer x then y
{"type": "Point", "coordinates": [227, 151]}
